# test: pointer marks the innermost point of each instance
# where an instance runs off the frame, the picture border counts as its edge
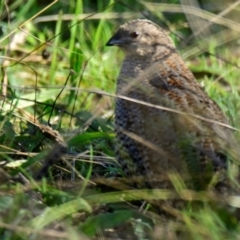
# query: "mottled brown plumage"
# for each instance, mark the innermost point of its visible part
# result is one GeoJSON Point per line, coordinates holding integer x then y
{"type": "Point", "coordinates": [153, 141]}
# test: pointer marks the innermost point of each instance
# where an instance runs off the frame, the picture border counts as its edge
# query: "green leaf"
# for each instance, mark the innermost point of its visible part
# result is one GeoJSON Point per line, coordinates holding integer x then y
{"type": "Point", "coordinates": [57, 213]}
{"type": "Point", "coordinates": [104, 221]}
{"type": "Point", "coordinates": [84, 138]}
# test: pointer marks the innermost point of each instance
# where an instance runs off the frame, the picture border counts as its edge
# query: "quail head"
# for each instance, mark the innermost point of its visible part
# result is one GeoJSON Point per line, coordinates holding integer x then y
{"type": "Point", "coordinates": [164, 120]}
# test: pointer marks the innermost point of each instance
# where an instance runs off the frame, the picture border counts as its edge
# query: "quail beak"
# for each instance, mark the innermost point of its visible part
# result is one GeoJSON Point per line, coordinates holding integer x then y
{"type": "Point", "coordinates": [115, 40]}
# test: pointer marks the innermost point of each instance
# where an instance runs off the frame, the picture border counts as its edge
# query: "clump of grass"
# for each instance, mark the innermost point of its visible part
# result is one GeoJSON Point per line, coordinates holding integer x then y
{"type": "Point", "coordinates": [56, 105]}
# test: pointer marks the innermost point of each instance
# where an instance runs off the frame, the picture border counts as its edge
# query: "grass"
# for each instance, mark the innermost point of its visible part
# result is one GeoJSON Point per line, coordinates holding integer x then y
{"type": "Point", "coordinates": [59, 73]}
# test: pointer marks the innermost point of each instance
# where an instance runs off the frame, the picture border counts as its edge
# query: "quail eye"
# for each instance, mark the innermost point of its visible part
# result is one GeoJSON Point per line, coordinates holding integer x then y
{"type": "Point", "coordinates": [134, 34]}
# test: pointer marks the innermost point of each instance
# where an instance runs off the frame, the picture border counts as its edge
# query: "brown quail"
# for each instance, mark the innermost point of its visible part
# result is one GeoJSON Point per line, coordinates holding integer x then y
{"type": "Point", "coordinates": [154, 83]}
